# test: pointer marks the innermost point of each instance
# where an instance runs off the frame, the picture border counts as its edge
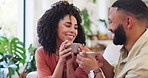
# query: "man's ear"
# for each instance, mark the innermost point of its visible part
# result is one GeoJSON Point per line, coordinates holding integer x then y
{"type": "Point", "coordinates": [129, 22]}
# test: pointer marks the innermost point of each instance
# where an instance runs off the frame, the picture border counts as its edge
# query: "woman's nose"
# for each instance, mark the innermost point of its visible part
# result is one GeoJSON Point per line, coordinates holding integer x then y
{"type": "Point", "coordinates": [72, 29]}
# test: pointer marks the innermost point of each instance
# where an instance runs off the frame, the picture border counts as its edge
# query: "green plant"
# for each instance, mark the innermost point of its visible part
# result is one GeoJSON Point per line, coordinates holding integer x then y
{"type": "Point", "coordinates": [103, 21]}
{"type": "Point", "coordinates": [31, 65]}
{"type": "Point", "coordinates": [12, 55]}
{"type": "Point", "coordinates": [94, 1]}
{"type": "Point", "coordinates": [86, 23]}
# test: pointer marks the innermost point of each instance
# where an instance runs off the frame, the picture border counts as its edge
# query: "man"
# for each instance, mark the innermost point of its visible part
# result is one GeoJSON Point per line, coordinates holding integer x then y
{"type": "Point", "coordinates": [128, 21]}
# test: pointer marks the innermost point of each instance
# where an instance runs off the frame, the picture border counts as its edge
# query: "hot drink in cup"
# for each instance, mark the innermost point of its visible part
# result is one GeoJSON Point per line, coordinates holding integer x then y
{"type": "Point", "coordinates": [74, 48]}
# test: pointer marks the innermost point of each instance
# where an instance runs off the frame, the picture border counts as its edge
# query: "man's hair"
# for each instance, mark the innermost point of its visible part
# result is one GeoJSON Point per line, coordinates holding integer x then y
{"type": "Point", "coordinates": [135, 7]}
{"type": "Point", "coordinates": [48, 24]}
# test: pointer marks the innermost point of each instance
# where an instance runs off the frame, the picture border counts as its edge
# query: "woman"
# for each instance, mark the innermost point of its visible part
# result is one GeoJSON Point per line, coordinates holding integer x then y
{"type": "Point", "coordinates": [58, 27]}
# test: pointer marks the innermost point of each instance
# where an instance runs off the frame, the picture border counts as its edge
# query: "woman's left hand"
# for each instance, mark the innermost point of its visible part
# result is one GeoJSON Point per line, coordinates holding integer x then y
{"type": "Point", "coordinates": [64, 53]}
{"type": "Point", "coordinates": [71, 59]}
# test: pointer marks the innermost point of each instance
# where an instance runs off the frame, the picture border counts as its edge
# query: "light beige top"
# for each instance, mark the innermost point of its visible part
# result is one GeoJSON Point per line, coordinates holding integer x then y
{"type": "Point", "coordinates": [134, 64]}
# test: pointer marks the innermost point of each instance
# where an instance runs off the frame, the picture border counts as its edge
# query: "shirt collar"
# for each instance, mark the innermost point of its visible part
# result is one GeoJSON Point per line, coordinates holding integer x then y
{"type": "Point", "coordinates": [135, 49]}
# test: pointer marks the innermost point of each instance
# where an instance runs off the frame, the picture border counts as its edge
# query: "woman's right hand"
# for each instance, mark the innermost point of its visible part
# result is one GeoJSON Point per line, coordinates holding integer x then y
{"type": "Point", "coordinates": [63, 52]}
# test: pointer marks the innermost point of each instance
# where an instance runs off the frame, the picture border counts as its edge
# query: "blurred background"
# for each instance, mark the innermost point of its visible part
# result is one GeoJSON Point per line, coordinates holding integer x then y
{"type": "Point", "coordinates": [18, 19]}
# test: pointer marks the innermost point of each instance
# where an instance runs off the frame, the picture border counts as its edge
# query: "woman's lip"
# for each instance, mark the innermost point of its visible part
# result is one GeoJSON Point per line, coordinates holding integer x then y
{"type": "Point", "coordinates": [70, 39]}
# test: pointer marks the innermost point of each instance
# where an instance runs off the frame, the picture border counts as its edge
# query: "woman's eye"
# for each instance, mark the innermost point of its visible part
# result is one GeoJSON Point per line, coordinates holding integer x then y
{"type": "Point", "coordinates": [76, 27]}
{"type": "Point", "coordinates": [67, 25]}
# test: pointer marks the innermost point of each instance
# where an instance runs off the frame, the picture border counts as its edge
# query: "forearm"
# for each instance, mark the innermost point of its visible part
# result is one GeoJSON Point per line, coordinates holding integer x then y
{"type": "Point", "coordinates": [70, 71]}
{"type": "Point", "coordinates": [107, 69]}
{"type": "Point", "coordinates": [58, 70]}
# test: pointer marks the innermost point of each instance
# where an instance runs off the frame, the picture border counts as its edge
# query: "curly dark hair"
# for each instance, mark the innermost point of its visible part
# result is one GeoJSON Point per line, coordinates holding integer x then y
{"type": "Point", "coordinates": [48, 24]}
{"type": "Point", "coordinates": [135, 7]}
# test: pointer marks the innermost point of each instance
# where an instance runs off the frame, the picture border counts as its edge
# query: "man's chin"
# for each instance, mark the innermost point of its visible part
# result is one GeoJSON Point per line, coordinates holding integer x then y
{"type": "Point", "coordinates": [118, 42]}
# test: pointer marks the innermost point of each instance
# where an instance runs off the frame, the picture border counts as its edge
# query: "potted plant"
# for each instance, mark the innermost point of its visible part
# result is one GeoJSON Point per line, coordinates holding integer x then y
{"type": "Point", "coordinates": [12, 55]}
{"type": "Point", "coordinates": [86, 23]}
{"type": "Point", "coordinates": [31, 64]}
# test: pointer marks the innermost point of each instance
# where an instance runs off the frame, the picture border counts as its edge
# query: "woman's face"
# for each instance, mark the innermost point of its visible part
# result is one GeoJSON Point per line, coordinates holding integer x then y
{"type": "Point", "coordinates": [67, 29]}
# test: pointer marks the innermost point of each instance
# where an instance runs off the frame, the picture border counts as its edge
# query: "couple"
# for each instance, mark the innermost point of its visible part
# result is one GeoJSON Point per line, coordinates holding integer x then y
{"type": "Point", "coordinates": [61, 24]}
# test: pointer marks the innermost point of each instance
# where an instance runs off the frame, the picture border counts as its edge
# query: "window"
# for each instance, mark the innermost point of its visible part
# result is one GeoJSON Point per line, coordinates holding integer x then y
{"type": "Point", "coordinates": [11, 18]}
{"type": "Point", "coordinates": [8, 17]}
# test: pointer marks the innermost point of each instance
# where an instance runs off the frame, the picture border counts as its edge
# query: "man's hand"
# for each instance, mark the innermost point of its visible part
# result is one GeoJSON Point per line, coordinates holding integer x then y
{"type": "Point", "coordinates": [88, 62]}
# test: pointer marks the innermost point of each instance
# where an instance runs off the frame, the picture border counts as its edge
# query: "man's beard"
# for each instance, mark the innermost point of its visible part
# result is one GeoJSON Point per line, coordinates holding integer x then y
{"type": "Point", "coordinates": [119, 37]}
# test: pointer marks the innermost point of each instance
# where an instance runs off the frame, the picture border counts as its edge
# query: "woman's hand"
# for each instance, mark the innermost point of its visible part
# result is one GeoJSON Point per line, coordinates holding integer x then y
{"type": "Point", "coordinates": [63, 53]}
{"type": "Point", "coordinates": [71, 60]}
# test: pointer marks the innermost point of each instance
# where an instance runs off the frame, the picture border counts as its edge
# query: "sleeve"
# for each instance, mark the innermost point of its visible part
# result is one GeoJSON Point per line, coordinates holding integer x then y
{"type": "Point", "coordinates": [42, 68]}
{"type": "Point", "coordinates": [80, 73]}
{"type": "Point", "coordinates": [137, 74]}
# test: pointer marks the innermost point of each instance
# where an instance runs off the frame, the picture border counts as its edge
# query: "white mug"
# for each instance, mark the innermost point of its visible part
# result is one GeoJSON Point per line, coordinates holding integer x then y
{"type": "Point", "coordinates": [93, 54]}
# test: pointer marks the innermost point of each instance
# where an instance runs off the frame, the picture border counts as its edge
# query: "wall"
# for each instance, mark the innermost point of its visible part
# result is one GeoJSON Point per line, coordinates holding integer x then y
{"type": "Point", "coordinates": [38, 7]}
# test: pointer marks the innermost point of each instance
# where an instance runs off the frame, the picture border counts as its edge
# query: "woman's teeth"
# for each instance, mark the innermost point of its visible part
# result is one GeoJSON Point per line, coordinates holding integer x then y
{"type": "Point", "coordinates": [70, 36]}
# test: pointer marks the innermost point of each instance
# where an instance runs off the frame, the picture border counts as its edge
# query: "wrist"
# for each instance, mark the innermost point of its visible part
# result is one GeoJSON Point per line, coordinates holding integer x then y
{"type": "Point", "coordinates": [93, 73]}
{"type": "Point", "coordinates": [104, 61]}
{"type": "Point", "coordinates": [95, 67]}
{"type": "Point", "coordinates": [69, 65]}
{"type": "Point", "coordinates": [61, 62]}
{"type": "Point", "coordinates": [96, 71]}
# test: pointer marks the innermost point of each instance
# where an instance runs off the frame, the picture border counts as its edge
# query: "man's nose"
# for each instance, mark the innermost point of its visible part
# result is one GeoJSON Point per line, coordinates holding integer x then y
{"type": "Point", "coordinates": [110, 28]}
